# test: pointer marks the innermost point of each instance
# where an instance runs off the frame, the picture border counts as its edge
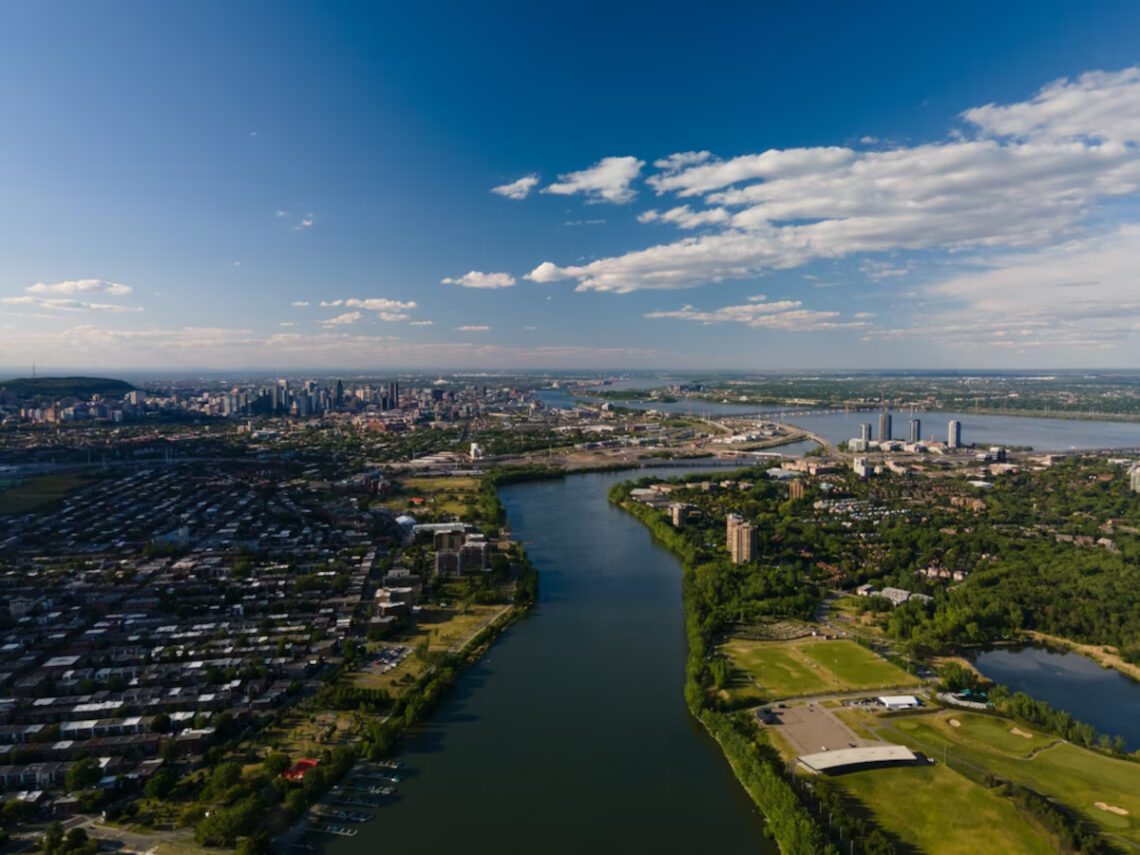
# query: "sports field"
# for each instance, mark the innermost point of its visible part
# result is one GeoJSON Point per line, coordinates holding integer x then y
{"type": "Point", "coordinates": [934, 809]}
{"type": "Point", "coordinates": [766, 670]}
{"type": "Point", "coordinates": [1074, 776]}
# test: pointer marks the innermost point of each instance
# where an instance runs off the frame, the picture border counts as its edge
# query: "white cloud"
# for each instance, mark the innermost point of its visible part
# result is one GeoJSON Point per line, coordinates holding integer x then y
{"type": "Point", "coordinates": [288, 323]}
{"type": "Point", "coordinates": [279, 213]}
{"type": "Point", "coordinates": [682, 159]}
{"type": "Point", "coordinates": [329, 303]}
{"type": "Point", "coordinates": [64, 304]}
{"type": "Point", "coordinates": [517, 189]}
{"type": "Point", "coordinates": [477, 279]}
{"type": "Point", "coordinates": [608, 180]}
{"type": "Point", "coordinates": [1099, 105]}
{"type": "Point", "coordinates": [774, 163]}
{"type": "Point", "coordinates": [306, 222]}
{"type": "Point", "coordinates": [781, 314]}
{"type": "Point", "coordinates": [377, 304]}
{"type": "Point", "coordinates": [879, 270]}
{"type": "Point", "coordinates": [473, 328]}
{"type": "Point", "coordinates": [299, 303]}
{"type": "Point", "coordinates": [81, 286]}
{"type": "Point", "coordinates": [1079, 295]}
{"type": "Point", "coordinates": [686, 218]}
{"type": "Point", "coordinates": [1033, 176]}
{"type": "Point", "coordinates": [422, 323]}
{"type": "Point", "coordinates": [393, 316]}
{"type": "Point", "coordinates": [343, 319]}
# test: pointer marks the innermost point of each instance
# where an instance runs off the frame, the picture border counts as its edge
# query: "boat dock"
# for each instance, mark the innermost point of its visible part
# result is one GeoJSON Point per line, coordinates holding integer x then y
{"type": "Point", "coordinates": [324, 812]}
{"type": "Point", "coordinates": [376, 776]}
{"type": "Point", "coordinates": [356, 801]}
{"type": "Point", "coordinates": [340, 830]}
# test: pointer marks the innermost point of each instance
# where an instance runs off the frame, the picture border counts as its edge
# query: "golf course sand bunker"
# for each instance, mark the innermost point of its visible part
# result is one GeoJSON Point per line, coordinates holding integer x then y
{"type": "Point", "coordinates": [1017, 731]}
{"type": "Point", "coordinates": [954, 722]}
{"type": "Point", "coordinates": [1119, 811]}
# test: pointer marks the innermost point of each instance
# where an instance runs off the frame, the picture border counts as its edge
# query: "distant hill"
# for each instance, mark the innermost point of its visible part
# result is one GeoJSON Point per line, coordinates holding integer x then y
{"type": "Point", "coordinates": [64, 387]}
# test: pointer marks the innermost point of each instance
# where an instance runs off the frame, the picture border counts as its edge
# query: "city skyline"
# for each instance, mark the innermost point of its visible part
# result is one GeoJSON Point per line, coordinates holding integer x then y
{"type": "Point", "coordinates": [366, 188]}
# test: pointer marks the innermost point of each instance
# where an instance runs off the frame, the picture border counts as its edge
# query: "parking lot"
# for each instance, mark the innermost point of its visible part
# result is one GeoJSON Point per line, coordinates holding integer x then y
{"type": "Point", "coordinates": [810, 728]}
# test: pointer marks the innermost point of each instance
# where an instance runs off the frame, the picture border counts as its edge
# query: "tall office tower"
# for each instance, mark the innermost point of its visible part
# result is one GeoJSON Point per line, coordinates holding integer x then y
{"type": "Point", "coordinates": [865, 431]}
{"type": "Point", "coordinates": [394, 395]}
{"type": "Point", "coordinates": [954, 437]}
{"type": "Point", "coordinates": [914, 430]}
{"type": "Point", "coordinates": [743, 540]}
{"type": "Point", "coordinates": [1134, 477]}
{"type": "Point", "coordinates": [885, 426]}
{"type": "Point", "coordinates": [339, 394]}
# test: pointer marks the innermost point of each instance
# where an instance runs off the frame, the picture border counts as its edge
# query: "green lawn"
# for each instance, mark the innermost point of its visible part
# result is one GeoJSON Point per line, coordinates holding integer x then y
{"type": "Point", "coordinates": [937, 810]}
{"type": "Point", "coordinates": [34, 492]}
{"type": "Point", "coordinates": [444, 495]}
{"type": "Point", "coordinates": [1074, 776]}
{"type": "Point", "coordinates": [768, 670]}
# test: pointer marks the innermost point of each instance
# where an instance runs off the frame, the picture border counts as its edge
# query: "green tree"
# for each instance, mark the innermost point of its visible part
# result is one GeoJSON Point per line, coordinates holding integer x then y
{"type": "Point", "coordinates": [83, 774]}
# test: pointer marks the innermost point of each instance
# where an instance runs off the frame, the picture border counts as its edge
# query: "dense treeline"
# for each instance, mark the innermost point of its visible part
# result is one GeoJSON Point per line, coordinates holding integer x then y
{"type": "Point", "coordinates": [1036, 559]}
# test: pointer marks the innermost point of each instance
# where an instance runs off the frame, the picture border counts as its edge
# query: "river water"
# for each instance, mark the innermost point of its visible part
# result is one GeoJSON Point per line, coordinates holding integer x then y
{"type": "Point", "coordinates": [1104, 698]}
{"type": "Point", "coordinates": [572, 735]}
{"type": "Point", "coordinates": [1041, 434]}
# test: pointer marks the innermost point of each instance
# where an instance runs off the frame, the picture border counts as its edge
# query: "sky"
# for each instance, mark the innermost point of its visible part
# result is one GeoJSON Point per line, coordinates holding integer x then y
{"type": "Point", "coordinates": [747, 186]}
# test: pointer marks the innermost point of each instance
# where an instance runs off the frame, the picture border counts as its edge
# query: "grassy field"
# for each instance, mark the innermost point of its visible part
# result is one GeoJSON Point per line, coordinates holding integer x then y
{"type": "Point", "coordinates": [935, 809]}
{"type": "Point", "coordinates": [857, 720]}
{"type": "Point", "coordinates": [768, 670]}
{"type": "Point", "coordinates": [306, 734]}
{"type": "Point", "coordinates": [1072, 775]}
{"type": "Point", "coordinates": [28, 495]}
{"type": "Point", "coordinates": [444, 629]}
{"type": "Point", "coordinates": [444, 495]}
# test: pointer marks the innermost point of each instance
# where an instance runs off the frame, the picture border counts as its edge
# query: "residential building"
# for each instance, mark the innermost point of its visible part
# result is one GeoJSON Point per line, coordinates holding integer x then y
{"type": "Point", "coordinates": [954, 434]}
{"type": "Point", "coordinates": [885, 426]}
{"type": "Point", "coordinates": [914, 430]}
{"type": "Point", "coordinates": [743, 540]}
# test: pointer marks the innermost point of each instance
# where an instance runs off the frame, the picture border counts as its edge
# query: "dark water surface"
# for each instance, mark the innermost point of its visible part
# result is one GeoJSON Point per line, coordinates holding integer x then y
{"type": "Point", "coordinates": [1104, 698]}
{"type": "Point", "coordinates": [572, 735]}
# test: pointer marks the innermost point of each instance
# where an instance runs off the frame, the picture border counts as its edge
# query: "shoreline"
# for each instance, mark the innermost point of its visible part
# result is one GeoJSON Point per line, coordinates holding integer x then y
{"type": "Point", "coordinates": [1060, 415]}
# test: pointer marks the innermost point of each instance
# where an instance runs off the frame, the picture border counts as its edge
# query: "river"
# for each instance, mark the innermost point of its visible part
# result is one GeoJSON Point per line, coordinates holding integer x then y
{"type": "Point", "coordinates": [1041, 434]}
{"type": "Point", "coordinates": [1102, 697]}
{"type": "Point", "coordinates": [572, 735]}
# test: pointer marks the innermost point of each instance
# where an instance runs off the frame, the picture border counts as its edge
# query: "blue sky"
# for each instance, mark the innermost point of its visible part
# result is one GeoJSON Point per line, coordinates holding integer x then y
{"type": "Point", "coordinates": [897, 186]}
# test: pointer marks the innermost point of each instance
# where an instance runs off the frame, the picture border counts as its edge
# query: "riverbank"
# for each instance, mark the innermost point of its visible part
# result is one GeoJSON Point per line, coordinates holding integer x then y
{"type": "Point", "coordinates": [860, 407]}
{"type": "Point", "coordinates": [572, 728]}
{"type": "Point", "coordinates": [1103, 655]}
{"type": "Point", "coordinates": [757, 766]}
